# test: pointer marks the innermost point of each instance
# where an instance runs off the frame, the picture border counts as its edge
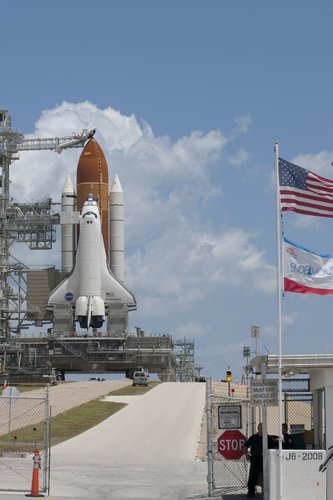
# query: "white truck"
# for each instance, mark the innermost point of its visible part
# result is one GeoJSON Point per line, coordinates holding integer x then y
{"type": "Point", "coordinates": [140, 378]}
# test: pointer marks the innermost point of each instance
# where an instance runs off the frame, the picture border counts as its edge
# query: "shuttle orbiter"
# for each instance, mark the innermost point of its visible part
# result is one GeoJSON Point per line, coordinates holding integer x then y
{"type": "Point", "coordinates": [91, 283]}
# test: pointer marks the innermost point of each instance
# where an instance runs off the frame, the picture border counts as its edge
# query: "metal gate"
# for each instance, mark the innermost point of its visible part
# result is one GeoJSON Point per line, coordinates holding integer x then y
{"type": "Point", "coordinates": [230, 475]}
{"type": "Point", "coordinates": [225, 474]}
{"type": "Point", "coordinates": [24, 427]}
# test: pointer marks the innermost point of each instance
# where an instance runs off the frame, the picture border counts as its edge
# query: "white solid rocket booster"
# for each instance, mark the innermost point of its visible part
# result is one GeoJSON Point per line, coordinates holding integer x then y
{"type": "Point", "coordinates": [116, 230]}
{"type": "Point", "coordinates": [91, 284]}
{"type": "Point", "coordinates": [67, 227]}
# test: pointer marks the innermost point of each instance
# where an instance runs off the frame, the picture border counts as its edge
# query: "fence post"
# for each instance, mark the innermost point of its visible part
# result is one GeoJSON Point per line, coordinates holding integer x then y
{"type": "Point", "coordinates": [210, 476]}
{"type": "Point", "coordinates": [47, 440]}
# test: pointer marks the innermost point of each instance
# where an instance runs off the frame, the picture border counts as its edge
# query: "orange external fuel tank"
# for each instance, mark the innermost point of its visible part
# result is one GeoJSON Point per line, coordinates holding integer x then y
{"type": "Point", "coordinates": [92, 176]}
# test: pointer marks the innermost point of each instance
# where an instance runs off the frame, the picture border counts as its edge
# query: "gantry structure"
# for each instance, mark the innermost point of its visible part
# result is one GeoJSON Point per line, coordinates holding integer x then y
{"type": "Point", "coordinates": [184, 354]}
{"type": "Point", "coordinates": [33, 224]}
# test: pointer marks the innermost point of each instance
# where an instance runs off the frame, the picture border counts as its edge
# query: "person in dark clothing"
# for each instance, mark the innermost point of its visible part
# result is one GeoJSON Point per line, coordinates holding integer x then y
{"type": "Point", "coordinates": [288, 442]}
{"type": "Point", "coordinates": [254, 444]}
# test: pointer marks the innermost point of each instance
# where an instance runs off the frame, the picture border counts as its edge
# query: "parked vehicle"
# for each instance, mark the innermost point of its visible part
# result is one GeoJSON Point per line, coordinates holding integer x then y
{"type": "Point", "coordinates": [140, 378]}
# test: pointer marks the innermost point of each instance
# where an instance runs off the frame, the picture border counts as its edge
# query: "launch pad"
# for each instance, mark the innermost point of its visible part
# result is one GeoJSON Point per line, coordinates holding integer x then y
{"type": "Point", "coordinates": [91, 354]}
{"type": "Point", "coordinates": [86, 289]}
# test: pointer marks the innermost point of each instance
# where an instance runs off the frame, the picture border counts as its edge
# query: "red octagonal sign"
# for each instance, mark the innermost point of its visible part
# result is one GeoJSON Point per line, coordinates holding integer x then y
{"type": "Point", "coordinates": [230, 444]}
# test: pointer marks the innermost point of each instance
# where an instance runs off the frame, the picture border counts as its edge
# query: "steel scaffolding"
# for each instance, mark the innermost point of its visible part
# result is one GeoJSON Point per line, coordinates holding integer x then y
{"type": "Point", "coordinates": [184, 353]}
{"type": "Point", "coordinates": [33, 224]}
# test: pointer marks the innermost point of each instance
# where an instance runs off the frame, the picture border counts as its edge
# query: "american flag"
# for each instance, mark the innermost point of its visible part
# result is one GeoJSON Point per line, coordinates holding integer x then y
{"type": "Point", "coordinates": [303, 191]}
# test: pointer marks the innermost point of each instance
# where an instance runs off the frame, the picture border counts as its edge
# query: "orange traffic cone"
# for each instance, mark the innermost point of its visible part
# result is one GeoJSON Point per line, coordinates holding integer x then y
{"type": "Point", "coordinates": [35, 476]}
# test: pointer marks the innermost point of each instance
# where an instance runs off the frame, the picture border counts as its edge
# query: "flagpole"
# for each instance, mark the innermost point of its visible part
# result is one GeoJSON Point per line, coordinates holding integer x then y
{"type": "Point", "coordinates": [279, 306]}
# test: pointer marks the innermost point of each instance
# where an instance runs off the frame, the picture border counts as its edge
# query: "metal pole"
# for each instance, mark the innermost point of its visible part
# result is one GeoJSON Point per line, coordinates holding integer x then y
{"type": "Point", "coordinates": [279, 307]}
{"type": "Point", "coordinates": [210, 476]}
{"type": "Point", "coordinates": [264, 441]}
{"type": "Point", "coordinates": [10, 410]}
{"type": "Point", "coordinates": [47, 438]}
{"type": "Point", "coordinates": [255, 332]}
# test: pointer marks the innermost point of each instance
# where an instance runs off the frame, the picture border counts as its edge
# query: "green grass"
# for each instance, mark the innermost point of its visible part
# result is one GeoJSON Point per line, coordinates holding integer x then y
{"type": "Point", "coordinates": [28, 387]}
{"type": "Point", "coordinates": [69, 423]}
{"type": "Point", "coordinates": [130, 390]}
{"type": "Point", "coordinates": [81, 418]}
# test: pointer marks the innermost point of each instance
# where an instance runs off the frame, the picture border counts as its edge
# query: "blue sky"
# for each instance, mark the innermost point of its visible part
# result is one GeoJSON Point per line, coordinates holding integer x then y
{"type": "Point", "coordinates": [188, 98]}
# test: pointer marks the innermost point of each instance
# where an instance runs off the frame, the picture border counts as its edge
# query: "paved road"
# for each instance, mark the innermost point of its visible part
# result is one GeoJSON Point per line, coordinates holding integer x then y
{"type": "Point", "coordinates": [147, 450]}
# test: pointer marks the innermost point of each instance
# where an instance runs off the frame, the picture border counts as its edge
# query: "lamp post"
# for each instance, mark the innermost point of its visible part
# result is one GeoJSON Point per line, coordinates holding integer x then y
{"type": "Point", "coordinates": [247, 354]}
{"type": "Point", "coordinates": [255, 333]}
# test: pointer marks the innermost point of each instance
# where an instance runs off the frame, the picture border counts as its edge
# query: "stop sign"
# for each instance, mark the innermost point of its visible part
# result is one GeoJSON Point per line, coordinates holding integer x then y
{"type": "Point", "coordinates": [230, 444]}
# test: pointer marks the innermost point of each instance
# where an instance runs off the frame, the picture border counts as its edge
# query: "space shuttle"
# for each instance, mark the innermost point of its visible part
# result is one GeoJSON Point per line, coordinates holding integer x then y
{"type": "Point", "coordinates": [91, 284]}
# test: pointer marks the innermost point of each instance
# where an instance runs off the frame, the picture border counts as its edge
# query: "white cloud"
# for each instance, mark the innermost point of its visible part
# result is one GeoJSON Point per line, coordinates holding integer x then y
{"type": "Point", "coordinates": [192, 329]}
{"type": "Point", "coordinates": [117, 131]}
{"type": "Point", "coordinates": [242, 125]}
{"type": "Point", "coordinates": [319, 163]}
{"type": "Point", "coordinates": [288, 321]}
{"type": "Point", "coordinates": [239, 261]}
{"type": "Point", "coordinates": [240, 157]}
{"type": "Point", "coordinates": [183, 268]}
{"type": "Point", "coordinates": [175, 257]}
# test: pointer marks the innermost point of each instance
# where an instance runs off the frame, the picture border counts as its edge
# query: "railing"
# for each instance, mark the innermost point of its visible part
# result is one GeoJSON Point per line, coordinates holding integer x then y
{"type": "Point", "coordinates": [329, 455]}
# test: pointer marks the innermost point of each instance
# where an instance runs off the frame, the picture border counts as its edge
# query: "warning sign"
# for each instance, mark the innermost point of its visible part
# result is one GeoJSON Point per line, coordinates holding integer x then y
{"type": "Point", "coordinates": [230, 417]}
{"type": "Point", "coordinates": [264, 392]}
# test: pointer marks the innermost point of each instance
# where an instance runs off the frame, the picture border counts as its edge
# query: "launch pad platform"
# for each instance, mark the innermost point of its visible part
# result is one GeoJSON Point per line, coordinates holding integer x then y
{"type": "Point", "coordinates": [95, 353]}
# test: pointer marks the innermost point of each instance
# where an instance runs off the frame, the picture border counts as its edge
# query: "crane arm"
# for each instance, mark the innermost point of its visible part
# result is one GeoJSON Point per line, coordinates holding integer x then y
{"type": "Point", "coordinates": [58, 144]}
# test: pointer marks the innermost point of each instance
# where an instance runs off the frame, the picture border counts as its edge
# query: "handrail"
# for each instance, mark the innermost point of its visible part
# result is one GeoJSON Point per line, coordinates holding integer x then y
{"type": "Point", "coordinates": [323, 466]}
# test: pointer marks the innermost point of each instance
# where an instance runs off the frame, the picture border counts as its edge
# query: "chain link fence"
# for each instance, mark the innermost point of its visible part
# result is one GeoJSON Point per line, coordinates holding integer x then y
{"type": "Point", "coordinates": [24, 427]}
{"type": "Point", "coordinates": [297, 410]}
{"type": "Point", "coordinates": [231, 419]}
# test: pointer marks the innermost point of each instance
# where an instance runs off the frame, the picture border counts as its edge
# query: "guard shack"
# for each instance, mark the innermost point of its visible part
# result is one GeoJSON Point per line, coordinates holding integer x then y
{"type": "Point", "coordinates": [319, 368]}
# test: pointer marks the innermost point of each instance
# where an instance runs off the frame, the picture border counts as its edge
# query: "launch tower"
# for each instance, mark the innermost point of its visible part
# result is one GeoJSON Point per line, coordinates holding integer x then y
{"type": "Point", "coordinates": [24, 291]}
{"type": "Point", "coordinates": [32, 224]}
